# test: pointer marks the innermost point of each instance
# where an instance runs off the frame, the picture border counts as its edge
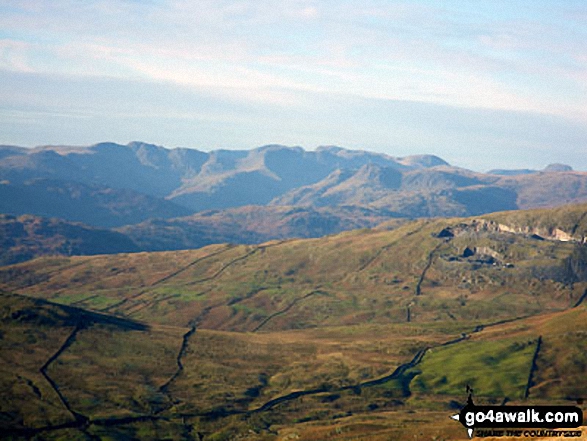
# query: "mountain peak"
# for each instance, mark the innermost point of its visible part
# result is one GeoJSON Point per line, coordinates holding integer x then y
{"type": "Point", "coordinates": [425, 161]}
{"type": "Point", "coordinates": [558, 168]}
{"type": "Point", "coordinates": [279, 147]}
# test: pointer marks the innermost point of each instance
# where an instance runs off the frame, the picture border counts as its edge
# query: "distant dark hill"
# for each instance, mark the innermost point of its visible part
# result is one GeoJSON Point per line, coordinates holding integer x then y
{"type": "Point", "coordinates": [440, 190]}
{"type": "Point", "coordinates": [236, 178]}
{"type": "Point", "coordinates": [516, 172]}
{"type": "Point", "coordinates": [251, 224]}
{"type": "Point", "coordinates": [525, 171]}
{"type": "Point", "coordinates": [230, 190]}
{"type": "Point", "coordinates": [25, 237]}
{"type": "Point", "coordinates": [423, 192]}
{"type": "Point", "coordinates": [10, 150]}
{"type": "Point", "coordinates": [346, 187]}
{"type": "Point", "coordinates": [198, 180]}
{"type": "Point", "coordinates": [91, 204]}
{"type": "Point", "coordinates": [141, 167]}
{"type": "Point", "coordinates": [28, 236]}
{"type": "Point", "coordinates": [547, 189]}
{"type": "Point", "coordinates": [442, 177]}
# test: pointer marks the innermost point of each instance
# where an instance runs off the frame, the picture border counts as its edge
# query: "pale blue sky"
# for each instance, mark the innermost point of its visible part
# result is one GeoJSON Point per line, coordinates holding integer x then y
{"type": "Point", "coordinates": [483, 84]}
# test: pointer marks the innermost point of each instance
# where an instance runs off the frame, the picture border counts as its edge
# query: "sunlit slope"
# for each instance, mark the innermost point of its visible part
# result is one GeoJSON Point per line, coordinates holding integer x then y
{"type": "Point", "coordinates": [568, 220]}
{"type": "Point", "coordinates": [61, 366]}
{"type": "Point", "coordinates": [449, 269]}
{"type": "Point", "coordinates": [561, 358]}
{"type": "Point", "coordinates": [67, 372]}
{"type": "Point", "coordinates": [504, 363]}
{"type": "Point", "coordinates": [368, 311]}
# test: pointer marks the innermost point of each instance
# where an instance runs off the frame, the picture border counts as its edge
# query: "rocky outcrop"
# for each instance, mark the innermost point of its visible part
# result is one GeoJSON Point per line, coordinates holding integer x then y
{"type": "Point", "coordinates": [544, 233]}
{"type": "Point", "coordinates": [489, 226]}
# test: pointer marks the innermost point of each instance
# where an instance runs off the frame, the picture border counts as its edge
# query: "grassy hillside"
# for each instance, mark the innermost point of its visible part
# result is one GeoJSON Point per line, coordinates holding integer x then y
{"type": "Point", "coordinates": [370, 334]}
{"type": "Point", "coordinates": [68, 373]}
{"type": "Point", "coordinates": [412, 273]}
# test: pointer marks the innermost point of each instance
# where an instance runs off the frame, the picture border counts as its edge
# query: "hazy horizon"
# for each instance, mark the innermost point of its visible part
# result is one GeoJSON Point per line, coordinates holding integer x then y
{"type": "Point", "coordinates": [305, 148]}
{"type": "Point", "coordinates": [483, 86]}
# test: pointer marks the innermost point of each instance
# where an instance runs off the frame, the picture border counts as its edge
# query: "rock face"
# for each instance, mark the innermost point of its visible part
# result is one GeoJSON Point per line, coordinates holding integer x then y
{"type": "Point", "coordinates": [544, 233]}
{"type": "Point", "coordinates": [491, 226]}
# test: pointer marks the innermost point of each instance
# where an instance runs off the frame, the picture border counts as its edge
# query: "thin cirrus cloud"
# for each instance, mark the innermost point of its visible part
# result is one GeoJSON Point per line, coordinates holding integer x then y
{"type": "Point", "coordinates": [278, 62]}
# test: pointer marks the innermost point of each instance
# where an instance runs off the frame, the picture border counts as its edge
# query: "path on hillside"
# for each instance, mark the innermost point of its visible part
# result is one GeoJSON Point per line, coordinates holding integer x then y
{"type": "Point", "coordinates": [401, 369]}
{"type": "Point", "coordinates": [205, 279]}
{"type": "Point", "coordinates": [189, 265]}
{"type": "Point", "coordinates": [238, 259]}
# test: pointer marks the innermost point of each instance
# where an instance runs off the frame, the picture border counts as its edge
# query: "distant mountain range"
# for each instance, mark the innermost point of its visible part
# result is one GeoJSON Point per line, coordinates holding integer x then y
{"type": "Point", "coordinates": [526, 171]}
{"type": "Point", "coordinates": [158, 182]}
{"type": "Point", "coordinates": [184, 198]}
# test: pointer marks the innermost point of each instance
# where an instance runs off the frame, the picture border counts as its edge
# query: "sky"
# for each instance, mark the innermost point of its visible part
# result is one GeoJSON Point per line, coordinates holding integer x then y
{"type": "Point", "coordinates": [482, 84]}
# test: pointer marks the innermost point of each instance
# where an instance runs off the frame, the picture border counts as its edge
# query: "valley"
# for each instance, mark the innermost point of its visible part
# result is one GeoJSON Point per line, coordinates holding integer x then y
{"type": "Point", "coordinates": [367, 334]}
{"type": "Point", "coordinates": [301, 220]}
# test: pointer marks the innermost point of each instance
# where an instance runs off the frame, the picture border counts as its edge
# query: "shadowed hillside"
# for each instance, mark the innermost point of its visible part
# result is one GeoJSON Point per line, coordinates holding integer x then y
{"type": "Point", "coordinates": [25, 237]}
{"type": "Point", "coordinates": [251, 224]}
{"type": "Point", "coordinates": [76, 202]}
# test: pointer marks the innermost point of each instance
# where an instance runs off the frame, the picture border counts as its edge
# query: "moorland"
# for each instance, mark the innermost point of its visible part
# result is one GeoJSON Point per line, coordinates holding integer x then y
{"type": "Point", "coordinates": [369, 334]}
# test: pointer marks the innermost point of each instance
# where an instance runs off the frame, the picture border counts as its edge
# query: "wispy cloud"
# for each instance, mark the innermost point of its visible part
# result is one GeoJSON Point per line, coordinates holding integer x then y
{"type": "Point", "coordinates": [427, 53]}
{"type": "Point", "coordinates": [14, 55]}
{"type": "Point", "coordinates": [520, 56]}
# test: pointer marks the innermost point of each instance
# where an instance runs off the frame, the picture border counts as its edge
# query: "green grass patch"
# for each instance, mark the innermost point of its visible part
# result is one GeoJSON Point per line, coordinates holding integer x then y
{"type": "Point", "coordinates": [491, 368]}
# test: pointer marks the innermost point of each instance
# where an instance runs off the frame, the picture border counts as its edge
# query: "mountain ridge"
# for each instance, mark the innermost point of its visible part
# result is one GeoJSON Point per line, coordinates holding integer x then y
{"type": "Point", "coordinates": [113, 186]}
